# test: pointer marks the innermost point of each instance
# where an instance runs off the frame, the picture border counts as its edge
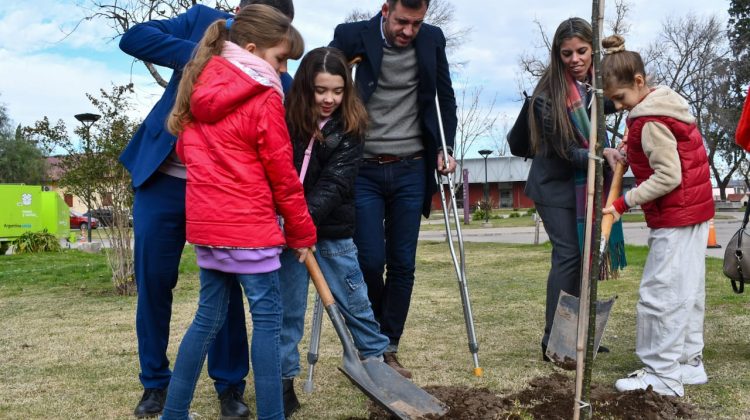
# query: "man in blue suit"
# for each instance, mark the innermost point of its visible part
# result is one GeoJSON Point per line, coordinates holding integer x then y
{"type": "Point", "coordinates": [403, 66]}
{"type": "Point", "coordinates": [159, 220]}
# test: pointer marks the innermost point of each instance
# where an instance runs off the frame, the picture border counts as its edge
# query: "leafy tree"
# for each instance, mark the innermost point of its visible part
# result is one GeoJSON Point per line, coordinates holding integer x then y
{"type": "Point", "coordinates": [91, 170]}
{"type": "Point", "coordinates": [21, 161]}
{"type": "Point", "coordinates": [739, 39]}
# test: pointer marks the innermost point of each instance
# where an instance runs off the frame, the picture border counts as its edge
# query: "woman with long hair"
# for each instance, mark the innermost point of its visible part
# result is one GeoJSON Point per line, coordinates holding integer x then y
{"type": "Point", "coordinates": [559, 124]}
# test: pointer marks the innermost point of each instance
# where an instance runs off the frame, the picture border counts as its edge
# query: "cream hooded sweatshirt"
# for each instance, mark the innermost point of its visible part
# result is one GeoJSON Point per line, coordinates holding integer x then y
{"type": "Point", "coordinates": [659, 144]}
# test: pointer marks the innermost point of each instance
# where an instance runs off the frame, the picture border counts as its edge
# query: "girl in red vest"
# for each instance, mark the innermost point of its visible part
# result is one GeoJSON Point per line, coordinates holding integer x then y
{"type": "Point", "coordinates": [233, 139]}
{"type": "Point", "coordinates": [666, 154]}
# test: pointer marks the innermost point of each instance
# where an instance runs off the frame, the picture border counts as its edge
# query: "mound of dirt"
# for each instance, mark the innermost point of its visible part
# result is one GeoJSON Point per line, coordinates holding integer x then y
{"type": "Point", "coordinates": [550, 397]}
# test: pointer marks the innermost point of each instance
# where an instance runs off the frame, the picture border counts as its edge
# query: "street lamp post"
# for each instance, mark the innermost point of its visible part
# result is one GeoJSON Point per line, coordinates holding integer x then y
{"type": "Point", "coordinates": [88, 120]}
{"type": "Point", "coordinates": [485, 154]}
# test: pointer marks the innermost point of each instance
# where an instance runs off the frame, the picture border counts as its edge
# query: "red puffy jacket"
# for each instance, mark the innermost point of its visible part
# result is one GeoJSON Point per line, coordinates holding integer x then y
{"type": "Point", "coordinates": [239, 165]}
{"type": "Point", "coordinates": [692, 201]}
{"type": "Point", "coordinates": [742, 136]}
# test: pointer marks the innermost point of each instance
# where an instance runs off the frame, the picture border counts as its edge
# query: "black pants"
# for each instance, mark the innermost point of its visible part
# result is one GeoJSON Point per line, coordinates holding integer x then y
{"type": "Point", "coordinates": [565, 273]}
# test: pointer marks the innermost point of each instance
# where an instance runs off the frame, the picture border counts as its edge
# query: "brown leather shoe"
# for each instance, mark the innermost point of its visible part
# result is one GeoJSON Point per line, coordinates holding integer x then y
{"type": "Point", "coordinates": [391, 360]}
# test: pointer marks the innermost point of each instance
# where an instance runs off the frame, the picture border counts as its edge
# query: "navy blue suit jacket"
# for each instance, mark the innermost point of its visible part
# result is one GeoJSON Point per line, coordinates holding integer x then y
{"type": "Point", "coordinates": [168, 43]}
{"type": "Point", "coordinates": [364, 39]}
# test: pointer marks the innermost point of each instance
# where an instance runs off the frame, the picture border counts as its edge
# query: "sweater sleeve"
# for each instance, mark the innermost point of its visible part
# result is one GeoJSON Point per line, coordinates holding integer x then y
{"type": "Point", "coordinates": [660, 147]}
{"type": "Point", "coordinates": [275, 151]}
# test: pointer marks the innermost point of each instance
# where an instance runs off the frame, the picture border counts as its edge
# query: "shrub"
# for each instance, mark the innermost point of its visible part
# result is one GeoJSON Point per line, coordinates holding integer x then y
{"type": "Point", "coordinates": [483, 210]}
{"type": "Point", "coordinates": [33, 242]}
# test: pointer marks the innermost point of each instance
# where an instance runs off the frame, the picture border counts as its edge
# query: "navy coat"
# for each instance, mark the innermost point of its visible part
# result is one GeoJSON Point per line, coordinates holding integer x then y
{"type": "Point", "coordinates": [167, 43]}
{"type": "Point", "coordinates": [364, 39]}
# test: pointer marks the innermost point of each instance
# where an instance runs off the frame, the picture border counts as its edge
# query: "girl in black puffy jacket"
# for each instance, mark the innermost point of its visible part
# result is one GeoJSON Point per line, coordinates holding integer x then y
{"type": "Point", "coordinates": [327, 123]}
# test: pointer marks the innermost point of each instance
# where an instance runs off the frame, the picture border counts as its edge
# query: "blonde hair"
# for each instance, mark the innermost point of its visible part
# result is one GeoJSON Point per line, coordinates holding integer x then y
{"type": "Point", "coordinates": [619, 66]}
{"type": "Point", "coordinates": [262, 25]}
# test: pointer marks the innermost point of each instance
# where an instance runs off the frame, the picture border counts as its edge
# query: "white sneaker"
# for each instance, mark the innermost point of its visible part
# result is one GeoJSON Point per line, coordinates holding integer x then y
{"type": "Point", "coordinates": [640, 379]}
{"type": "Point", "coordinates": [693, 375]}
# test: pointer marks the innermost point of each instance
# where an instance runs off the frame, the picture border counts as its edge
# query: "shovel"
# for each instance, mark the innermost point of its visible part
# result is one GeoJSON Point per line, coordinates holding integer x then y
{"type": "Point", "coordinates": [380, 382]}
{"type": "Point", "coordinates": [562, 346]}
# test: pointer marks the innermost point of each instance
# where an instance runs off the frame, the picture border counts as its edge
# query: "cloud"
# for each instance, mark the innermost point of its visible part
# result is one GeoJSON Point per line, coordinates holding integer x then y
{"type": "Point", "coordinates": [45, 73]}
{"type": "Point", "coordinates": [31, 27]}
{"type": "Point", "coordinates": [38, 85]}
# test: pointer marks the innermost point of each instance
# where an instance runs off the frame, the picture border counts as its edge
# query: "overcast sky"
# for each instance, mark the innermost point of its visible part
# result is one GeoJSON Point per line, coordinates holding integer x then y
{"type": "Point", "coordinates": [45, 73]}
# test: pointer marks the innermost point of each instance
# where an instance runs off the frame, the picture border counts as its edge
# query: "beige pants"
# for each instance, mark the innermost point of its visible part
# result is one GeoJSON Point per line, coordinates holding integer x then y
{"type": "Point", "coordinates": [672, 302]}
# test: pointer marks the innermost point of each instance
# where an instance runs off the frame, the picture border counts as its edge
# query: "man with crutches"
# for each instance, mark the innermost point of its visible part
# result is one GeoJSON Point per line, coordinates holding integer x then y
{"type": "Point", "coordinates": [403, 65]}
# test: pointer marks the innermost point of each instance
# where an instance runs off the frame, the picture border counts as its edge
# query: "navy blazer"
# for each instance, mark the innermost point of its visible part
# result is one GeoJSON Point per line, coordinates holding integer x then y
{"type": "Point", "coordinates": [364, 39]}
{"type": "Point", "coordinates": [168, 43]}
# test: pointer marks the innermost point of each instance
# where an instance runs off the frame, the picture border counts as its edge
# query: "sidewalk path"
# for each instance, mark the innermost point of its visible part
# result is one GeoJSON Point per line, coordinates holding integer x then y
{"type": "Point", "coordinates": [635, 234]}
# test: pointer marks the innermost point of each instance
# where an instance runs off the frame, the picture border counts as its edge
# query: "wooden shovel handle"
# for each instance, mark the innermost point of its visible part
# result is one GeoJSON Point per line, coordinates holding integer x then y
{"type": "Point", "coordinates": [318, 280]}
{"type": "Point", "coordinates": [614, 192]}
{"type": "Point", "coordinates": [354, 61]}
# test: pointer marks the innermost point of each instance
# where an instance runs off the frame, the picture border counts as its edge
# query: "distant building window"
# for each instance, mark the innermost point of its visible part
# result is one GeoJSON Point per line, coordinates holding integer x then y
{"type": "Point", "coordinates": [68, 199]}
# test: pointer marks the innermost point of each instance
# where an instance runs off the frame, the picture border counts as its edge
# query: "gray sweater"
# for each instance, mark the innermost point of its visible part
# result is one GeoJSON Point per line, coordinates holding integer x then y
{"type": "Point", "coordinates": [395, 127]}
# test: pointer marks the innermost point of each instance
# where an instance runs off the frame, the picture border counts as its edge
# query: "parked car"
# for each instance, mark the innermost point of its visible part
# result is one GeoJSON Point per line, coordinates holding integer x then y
{"type": "Point", "coordinates": [104, 215]}
{"type": "Point", "coordinates": [80, 221]}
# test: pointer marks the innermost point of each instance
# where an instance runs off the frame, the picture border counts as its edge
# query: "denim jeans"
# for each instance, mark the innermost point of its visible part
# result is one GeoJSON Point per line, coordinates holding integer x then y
{"type": "Point", "coordinates": [262, 291]}
{"type": "Point", "coordinates": [389, 208]}
{"type": "Point", "coordinates": [159, 223]}
{"type": "Point", "coordinates": [337, 259]}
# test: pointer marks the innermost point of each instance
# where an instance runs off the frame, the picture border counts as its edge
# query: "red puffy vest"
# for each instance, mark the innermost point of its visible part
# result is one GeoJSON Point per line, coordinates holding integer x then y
{"type": "Point", "coordinates": [692, 201]}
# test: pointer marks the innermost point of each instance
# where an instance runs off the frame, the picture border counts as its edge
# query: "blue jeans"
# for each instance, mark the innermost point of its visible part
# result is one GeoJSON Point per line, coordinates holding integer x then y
{"type": "Point", "coordinates": [337, 259]}
{"type": "Point", "coordinates": [159, 223]}
{"type": "Point", "coordinates": [389, 202]}
{"type": "Point", "coordinates": [262, 291]}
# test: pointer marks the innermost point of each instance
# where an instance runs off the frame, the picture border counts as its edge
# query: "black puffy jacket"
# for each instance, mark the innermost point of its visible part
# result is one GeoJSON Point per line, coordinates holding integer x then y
{"type": "Point", "coordinates": [329, 182]}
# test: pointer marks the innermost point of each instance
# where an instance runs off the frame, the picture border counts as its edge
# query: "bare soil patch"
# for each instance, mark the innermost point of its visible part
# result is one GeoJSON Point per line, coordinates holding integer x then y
{"type": "Point", "coordinates": [550, 397]}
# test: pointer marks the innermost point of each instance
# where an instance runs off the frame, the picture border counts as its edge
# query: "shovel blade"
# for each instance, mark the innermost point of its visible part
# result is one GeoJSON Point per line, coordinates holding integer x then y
{"type": "Point", "coordinates": [380, 382]}
{"type": "Point", "coordinates": [561, 348]}
{"type": "Point", "coordinates": [394, 393]}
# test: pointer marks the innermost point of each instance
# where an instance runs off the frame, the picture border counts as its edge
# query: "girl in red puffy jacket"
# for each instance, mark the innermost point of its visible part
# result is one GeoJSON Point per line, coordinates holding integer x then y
{"type": "Point", "coordinates": [233, 140]}
{"type": "Point", "coordinates": [666, 154]}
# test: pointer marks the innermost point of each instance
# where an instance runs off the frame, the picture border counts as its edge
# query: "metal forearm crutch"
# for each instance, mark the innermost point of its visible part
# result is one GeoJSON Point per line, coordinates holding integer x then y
{"type": "Point", "coordinates": [458, 262]}
{"type": "Point", "coordinates": [317, 321]}
{"type": "Point", "coordinates": [312, 354]}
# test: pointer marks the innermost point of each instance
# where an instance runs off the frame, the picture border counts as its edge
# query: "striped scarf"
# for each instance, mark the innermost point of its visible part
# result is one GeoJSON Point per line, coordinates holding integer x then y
{"type": "Point", "coordinates": [578, 98]}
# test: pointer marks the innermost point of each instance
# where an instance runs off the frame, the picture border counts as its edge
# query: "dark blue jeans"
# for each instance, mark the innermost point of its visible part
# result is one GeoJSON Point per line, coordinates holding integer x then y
{"type": "Point", "coordinates": [389, 208]}
{"type": "Point", "coordinates": [337, 259]}
{"type": "Point", "coordinates": [262, 291]}
{"type": "Point", "coordinates": [159, 224]}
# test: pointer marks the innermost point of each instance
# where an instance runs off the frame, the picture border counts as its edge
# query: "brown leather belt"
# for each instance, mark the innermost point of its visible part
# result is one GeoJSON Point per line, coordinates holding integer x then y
{"type": "Point", "coordinates": [386, 159]}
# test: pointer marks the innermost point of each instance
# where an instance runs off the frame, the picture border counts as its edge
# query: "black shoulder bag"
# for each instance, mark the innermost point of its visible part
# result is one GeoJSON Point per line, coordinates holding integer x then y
{"type": "Point", "coordinates": [519, 137]}
{"type": "Point", "coordinates": [737, 256]}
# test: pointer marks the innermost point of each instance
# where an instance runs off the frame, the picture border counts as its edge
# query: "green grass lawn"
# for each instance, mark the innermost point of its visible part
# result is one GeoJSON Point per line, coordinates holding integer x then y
{"type": "Point", "coordinates": [69, 349]}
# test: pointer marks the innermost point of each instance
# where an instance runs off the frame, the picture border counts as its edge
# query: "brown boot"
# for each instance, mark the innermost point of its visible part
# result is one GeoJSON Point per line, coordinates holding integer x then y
{"type": "Point", "coordinates": [390, 359]}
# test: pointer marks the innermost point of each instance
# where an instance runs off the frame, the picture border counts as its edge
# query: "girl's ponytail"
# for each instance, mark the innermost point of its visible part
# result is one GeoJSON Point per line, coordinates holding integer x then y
{"type": "Point", "coordinates": [259, 24]}
{"type": "Point", "coordinates": [210, 45]}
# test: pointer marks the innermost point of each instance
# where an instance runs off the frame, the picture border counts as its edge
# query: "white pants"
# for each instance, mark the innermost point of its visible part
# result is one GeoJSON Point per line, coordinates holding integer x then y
{"type": "Point", "coordinates": [672, 302]}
